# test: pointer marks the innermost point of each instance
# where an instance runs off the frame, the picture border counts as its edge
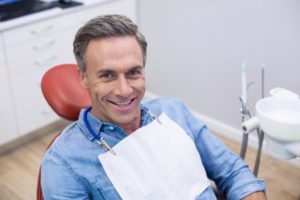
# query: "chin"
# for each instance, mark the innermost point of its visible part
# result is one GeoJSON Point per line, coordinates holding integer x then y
{"type": "Point", "coordinates": [125, 119]}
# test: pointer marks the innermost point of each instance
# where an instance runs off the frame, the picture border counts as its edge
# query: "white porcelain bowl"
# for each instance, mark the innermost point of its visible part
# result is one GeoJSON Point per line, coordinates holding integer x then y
{"type": "Point", "coordinates": [279, 118]}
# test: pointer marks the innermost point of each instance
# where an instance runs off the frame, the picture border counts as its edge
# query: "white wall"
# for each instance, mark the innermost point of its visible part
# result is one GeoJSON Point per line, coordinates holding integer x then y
{"type": "Point", "coordinates": [196, 48]}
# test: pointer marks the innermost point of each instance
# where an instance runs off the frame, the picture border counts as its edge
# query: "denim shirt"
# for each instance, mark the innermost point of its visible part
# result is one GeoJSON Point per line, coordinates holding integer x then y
{"type": "Point", "coordinates": [71, 169]}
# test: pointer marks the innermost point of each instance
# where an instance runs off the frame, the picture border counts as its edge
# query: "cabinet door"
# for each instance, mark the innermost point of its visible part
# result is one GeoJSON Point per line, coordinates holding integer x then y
{"type": "Point", "coordinates": [2, 61]}
{"type": "Point", "coordinates": [33, 115]}
{"type": "Point", "coordinates": [8, 122]}
{"type": "Point", "coordinates": [32, 110]}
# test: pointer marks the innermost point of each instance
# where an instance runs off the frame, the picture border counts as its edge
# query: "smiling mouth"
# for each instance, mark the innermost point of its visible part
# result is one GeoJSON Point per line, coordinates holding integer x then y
{"type": "Point", "coordinates": [122, 103]}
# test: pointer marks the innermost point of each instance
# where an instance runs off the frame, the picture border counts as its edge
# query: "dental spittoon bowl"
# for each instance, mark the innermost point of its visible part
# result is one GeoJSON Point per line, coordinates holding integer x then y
{"type": "Point", "coordinates": [279, 118]}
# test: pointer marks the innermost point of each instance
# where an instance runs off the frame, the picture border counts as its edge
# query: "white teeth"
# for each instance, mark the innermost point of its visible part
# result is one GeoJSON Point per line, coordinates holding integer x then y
{"type": "Point", "coordinates": [122, 103]}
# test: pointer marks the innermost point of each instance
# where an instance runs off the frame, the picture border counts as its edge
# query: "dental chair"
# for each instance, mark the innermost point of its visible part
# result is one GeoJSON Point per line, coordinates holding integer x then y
{"type": "Point", "coordinates": [65, 95]}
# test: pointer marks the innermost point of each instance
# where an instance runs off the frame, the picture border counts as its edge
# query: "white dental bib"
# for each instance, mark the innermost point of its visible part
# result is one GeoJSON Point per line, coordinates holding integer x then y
{"type": "Point", "coordinates": [156, 162]}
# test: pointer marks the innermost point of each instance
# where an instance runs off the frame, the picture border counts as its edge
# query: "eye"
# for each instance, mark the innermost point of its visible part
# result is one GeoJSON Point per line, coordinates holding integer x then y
{"type": "Point", "coordinates": [134, 73]}
{"type": "Point", "coordinates": [107, 76]}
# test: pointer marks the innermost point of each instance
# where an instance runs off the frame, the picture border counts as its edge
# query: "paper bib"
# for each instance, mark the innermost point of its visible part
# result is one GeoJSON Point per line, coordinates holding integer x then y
{"type": "Point", "coordinates": [156, 162]}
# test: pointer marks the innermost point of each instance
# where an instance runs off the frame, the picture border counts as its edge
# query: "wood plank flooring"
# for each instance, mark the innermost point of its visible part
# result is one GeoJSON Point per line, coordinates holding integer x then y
{"type": "Point", "coordinates": [19, 169]}
{"type": "Point", "coordinates": [282, 178]}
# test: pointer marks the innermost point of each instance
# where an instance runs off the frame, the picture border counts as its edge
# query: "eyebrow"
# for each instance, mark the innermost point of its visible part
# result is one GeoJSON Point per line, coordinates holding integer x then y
{"type": "Point", "coordinates": [135, 68]}
{"type": "Point", "coordinates": [103, 71]}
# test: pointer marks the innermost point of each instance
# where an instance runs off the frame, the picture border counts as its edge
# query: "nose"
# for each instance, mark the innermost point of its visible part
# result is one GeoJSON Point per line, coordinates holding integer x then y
{"type": "Point", "coordinates": [122, 87]}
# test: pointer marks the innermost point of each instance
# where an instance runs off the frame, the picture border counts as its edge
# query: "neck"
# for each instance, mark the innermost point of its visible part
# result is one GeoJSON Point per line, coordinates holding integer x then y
{"type": "Point", "coordinates": [131, 128]}
{"type": "Point", "coordinates": [127, 127]}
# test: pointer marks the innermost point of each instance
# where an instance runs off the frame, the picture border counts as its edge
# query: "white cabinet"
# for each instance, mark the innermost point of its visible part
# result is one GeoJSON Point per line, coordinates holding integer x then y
{"type": "Point", "coordinates": [8, 123]}
{"type": "Point", "coordinates": [28, 51]}
{"type": "Point", "coordinates": [40, 46]}
{"type": "Point", "coordinates": [42, 52]}
{"type": "Point", "coordinates": [38, 29]}
{"type": "Point", "coordinates": [2, 61]}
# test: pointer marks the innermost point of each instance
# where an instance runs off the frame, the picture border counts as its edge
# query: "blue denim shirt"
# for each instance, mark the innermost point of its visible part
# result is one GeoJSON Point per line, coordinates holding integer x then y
{"type": "Point", "coordinates": [71, 169]}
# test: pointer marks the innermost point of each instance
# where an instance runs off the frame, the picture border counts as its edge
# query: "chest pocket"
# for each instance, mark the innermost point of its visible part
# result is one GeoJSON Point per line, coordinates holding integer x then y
{"type": "Point", "coordinates": [105, 188]}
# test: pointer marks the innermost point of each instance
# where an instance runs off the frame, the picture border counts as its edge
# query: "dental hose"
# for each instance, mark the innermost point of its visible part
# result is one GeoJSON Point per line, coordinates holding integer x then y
{"type": "Point", "coordinates": [260, 135]}
{"type": "Point", "coordinates": [248, 126]}
{"type": "Point", "coordinates": [244, 145]}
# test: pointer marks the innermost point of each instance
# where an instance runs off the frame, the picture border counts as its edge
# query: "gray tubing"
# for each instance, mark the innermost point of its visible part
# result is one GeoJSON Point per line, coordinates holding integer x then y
{"type": "Point", "coordinates": [244, 145]}
{"type": "Point", "coordinates": [260, 135]}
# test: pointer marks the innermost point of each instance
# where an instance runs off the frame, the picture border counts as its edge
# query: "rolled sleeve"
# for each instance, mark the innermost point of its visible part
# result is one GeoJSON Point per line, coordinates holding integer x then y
{"type": "Point", "coordinates": [246, 186]}
{"type": "Point", "coordinates": [230, 173]}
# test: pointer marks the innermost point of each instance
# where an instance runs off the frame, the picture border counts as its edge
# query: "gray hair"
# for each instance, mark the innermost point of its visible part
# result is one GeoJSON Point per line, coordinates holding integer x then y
{"type": "Point", "coordinates": [103, 27]}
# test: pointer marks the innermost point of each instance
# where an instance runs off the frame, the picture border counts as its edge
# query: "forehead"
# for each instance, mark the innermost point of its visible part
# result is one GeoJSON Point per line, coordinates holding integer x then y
{"type": "Point", "coordinates": [114, 52]}
{"type": "Point", "coordinates": [115, 44]}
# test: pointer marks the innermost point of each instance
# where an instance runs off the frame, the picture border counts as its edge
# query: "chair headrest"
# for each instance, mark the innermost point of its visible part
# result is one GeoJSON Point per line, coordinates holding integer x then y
{"type": "Point", "coordinates": [63, 91]}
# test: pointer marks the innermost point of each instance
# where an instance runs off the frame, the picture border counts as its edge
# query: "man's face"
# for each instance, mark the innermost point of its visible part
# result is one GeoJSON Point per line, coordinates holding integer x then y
{"type": "Point", "coordinates": [115, 79]}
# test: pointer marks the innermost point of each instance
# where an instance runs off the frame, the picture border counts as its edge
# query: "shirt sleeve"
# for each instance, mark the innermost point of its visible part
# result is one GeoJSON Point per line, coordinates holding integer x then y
{"type": "Point", "coordinates": [230, 173]}
{"type": "Point", "coordinates": [59, 181]}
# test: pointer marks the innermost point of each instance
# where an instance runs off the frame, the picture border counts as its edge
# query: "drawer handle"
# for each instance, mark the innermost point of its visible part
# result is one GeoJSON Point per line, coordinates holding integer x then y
{"type": "Point", "coordinates": [41, 63]}
{"type": "Point", "coordinates": [43, 46]}
{"type": "Point", "coordinates": [42, 30]}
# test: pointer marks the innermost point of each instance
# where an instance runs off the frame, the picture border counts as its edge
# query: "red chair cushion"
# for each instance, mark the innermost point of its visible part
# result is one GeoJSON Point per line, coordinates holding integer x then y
{"type": "Point", "coordinates": [63, 91]}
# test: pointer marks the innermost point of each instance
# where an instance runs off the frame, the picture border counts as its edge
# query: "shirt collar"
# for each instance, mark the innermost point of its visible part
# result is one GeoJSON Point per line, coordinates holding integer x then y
{"type": "Point", "coordinates": [99, 126]}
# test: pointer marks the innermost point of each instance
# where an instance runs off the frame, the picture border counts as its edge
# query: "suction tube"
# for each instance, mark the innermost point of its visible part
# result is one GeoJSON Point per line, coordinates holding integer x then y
{"type": "Point", "coordinates": [250, 125]}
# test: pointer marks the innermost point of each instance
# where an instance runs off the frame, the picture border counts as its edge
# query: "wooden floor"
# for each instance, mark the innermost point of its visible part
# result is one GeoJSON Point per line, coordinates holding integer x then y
{"type": "Point", "coordinates": [19, 169]}
{"type": "Point", "coordinates": [282, 178]}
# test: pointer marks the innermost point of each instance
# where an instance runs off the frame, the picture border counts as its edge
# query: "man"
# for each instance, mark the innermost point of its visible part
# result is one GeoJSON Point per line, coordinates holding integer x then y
{"type": "Point", "coordinates": [111, 56]}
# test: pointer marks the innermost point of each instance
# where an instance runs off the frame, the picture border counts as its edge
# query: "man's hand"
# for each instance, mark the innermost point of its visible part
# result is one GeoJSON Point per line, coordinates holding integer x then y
{"type": "Point", "coordinates": [256, 196]}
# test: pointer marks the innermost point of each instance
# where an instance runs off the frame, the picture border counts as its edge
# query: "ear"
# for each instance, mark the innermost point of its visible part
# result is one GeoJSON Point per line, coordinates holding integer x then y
{"type": "Point", "coordinates": [82, 78]}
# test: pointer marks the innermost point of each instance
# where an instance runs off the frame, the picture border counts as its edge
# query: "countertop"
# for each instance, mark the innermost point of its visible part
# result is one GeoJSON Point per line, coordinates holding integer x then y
{"type": "Point", "coordinates": [17, 22]}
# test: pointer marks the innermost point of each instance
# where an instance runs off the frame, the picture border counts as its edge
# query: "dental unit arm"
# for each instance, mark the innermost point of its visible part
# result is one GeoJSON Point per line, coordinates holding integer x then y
{"type": "Point", "coordinates": [247, 115]}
